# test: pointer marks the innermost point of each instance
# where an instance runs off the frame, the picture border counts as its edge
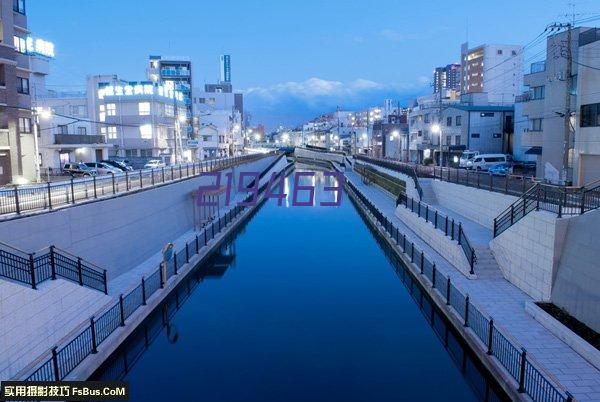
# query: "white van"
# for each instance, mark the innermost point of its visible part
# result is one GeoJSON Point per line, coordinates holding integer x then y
{"type": "Point", "coordinates": [486, 161]}
{"type": "Point", "coordinates": [467, 156]}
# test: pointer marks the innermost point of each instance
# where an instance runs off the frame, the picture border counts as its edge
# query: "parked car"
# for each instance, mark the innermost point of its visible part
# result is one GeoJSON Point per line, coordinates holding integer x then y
{"type": "Point", "coordinates": [79, 169]}
{"type": "Point", "coordinates": [118, 164]}
{"type": "Point", "coordinates": [154, 163]}
{"type": "Point", "coordinates": [466, 157]}
{"type": "Point", "coordinates": [486, 161]}
{"type": "Point", "coordinates": [501, 170]}
{"type": "Point", "coordinates": [103, 168]}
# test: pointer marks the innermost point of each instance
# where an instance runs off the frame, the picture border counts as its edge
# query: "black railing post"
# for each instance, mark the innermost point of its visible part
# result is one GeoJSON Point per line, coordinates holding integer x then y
{"type": "Point", "coordinates": [495, 227]}
{"type": "Point", "coordinates": [433, 275]}
{"type": "Point", "coordinates": [49, 195]}
{"type": "Point", "coordinates": [55, 364]}
{"type": "Point", "coordinates": [512, 214]}
{"type": "Point", "coordinates": [446, 227]}
{"type": "Point", "coordinates": [569, 396]}
{"type": "Point", "coordinates": [163, 174]}
{"type": "Point", "coordinates": [126, 180]}
{"type": "Point", "coordinates": [452, 234]}
{"type": "Point", "coordinates": [95, 189]}
{"type": "Point", "coordinates": [72, 192]}
{"type": "Point", "coordinates": [52, 263]}
{"type": "Point", "coordinates": [141, 180]}
{"type": "Point", "coordinates": [448, 291]}
{"type": "Point", "coordinates": [490, 336]}
{"type": "Point", "coordinates": [163, 280]}
{"type": "Point", "coordinates": [152, 176]}
{"type": "Point", "coordinates": [472, 262]}
{"type": "Point", "coordinates": [187, 253]}
{"type": "Point", "coordinates": [459, 232]}
{"type": "Point", "coordinates": [436, 218]}
{"type": "Point", "coordinates": [93, 328]}
{"type": "Point", "coordinates": [143, 291]}
{"type": "Point", "coordinates": [197, 245]}
{"type": "Point", "coordinates": [113, 182]}
{"type": "Point", "coordinates": [122, 310]}
{"type": "Point", "coordinates": [17, 204]}
{"type": "Point", "coordinates": [79, 271]}
{"type": "Point", "coordinates": [522, 370]}
{"type": "Point", "coordinates": [105, 282]}
{"type": "Point", "coordinates": [175, 263]}
{"type": "Point", "coordinates": [32, 271]}
{"type": "Point", "coordinates": [467, 302]}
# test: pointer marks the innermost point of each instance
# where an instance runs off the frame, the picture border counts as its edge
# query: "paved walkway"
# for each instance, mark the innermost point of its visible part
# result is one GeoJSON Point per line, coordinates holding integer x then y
{"type": "Point", "coordinates": [506, 304]}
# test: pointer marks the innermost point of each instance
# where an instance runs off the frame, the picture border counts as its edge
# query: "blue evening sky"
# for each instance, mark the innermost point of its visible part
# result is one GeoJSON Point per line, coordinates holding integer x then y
{"type": "Point", "coordinates": [294, 59]}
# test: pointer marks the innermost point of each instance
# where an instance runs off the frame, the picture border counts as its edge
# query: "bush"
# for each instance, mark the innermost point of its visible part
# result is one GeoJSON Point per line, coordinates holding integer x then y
{"type": "Point", "coordinates": [427, 161]}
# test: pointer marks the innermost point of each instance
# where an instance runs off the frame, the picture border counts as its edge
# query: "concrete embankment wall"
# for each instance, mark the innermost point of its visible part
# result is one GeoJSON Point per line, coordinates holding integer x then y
{"type": "Point", "coordinates": [577, 279]}
{"type": "Point", "coordinates": [411, 189]}
{"type": "Point", "coordinates": [323, 156]}
{"type": "Point", "coordinates": [481, 206]}
{"type": "Point", "coordinates": [116, 233]}
{"type": "Point", "coordinates": [528, 252]}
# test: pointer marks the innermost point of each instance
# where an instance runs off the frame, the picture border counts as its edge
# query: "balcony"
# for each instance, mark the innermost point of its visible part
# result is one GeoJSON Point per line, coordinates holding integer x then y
{"type": "Point", "coordinates": [174, 72]}
{"type": "Point", "coordinates": [72, 139]}
{"type": "Point", "coordinates": [532, 139]}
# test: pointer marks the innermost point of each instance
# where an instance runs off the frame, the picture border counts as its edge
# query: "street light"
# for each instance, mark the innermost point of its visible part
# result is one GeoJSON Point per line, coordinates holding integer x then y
{"type": "Point", "coordinates": [436, 128]}
{"type": "Point", "coordinates": [45, 114]}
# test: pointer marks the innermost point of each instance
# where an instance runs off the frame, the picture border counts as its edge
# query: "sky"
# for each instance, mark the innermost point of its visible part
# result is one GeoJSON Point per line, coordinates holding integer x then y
{"type": "Point", "coordinates": [294, 60]}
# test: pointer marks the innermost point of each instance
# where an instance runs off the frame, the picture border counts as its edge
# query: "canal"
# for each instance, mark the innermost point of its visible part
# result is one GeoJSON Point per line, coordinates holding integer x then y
{"type": "Point", "coordinates": [303, 303]}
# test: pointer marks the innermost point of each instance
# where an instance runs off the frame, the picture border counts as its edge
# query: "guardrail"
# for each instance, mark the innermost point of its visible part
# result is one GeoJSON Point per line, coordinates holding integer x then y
{"type": "Point", "coordinates": [556, 199]}
{"type": "Point", "coordinates": [443, 223]}
{"type": "Point", "coordinates": [521, 366]}
{"type": "Point", "coordinates": [65, 358]}
{"type": "Point", "coordinates": [402, 168]}
{"type": "Point", "coordinates": [50, 195]}
{"type": "Point", "coordinates": [51, 263]}
{"type": "Point", "coordinates": [391, 184]}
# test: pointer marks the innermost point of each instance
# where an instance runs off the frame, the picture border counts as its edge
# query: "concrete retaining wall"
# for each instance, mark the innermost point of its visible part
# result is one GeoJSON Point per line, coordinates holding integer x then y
{"type": "Point", "coordinates": [577, 279]}
{"type": "Point", "coordinates": [411, 189]}
{"type": "Point", "coordinates": [481, 206]}
{"type": "Point", "coordinates": [446, 247]}
{"type": "Point", "coordinates": [324, 156]}
{"type": "Point", "coordinates": [528, 252]}
{"type": "Point", "coordinates": [116, 233]}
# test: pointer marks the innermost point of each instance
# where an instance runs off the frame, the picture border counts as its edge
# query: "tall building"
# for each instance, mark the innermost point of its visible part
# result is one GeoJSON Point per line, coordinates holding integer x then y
{"type": "Point", "coordinates": [447, 78]}
{"type": "Point", "coordinates": [565, 152]}
{"type": "Point", "coordinates": [18, 156]}
{"type": "Point", "coordinates": [495, 70]}
{"type": "Point", "coordinates": [175, 73]}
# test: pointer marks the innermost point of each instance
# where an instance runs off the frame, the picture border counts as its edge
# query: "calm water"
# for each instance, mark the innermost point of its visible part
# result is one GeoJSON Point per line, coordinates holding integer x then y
{"type": "Point", "coordinates": [303, 304]}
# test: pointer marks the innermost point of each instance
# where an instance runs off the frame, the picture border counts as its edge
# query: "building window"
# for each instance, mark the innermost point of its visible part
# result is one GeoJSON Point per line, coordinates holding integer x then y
{"type": "Point", "coordinates": [487, 114]}
{"type": "Point", "coordinates": [427, 118]}
{"type": "Point", "coordinates": [111, 132]}
{"type": "Point", "coordinates": [63, 129]}
{"type": "Point", "coordinates": [146, 153]}
{"type": "Point", "coordinates": [146, 131]}
{"type": "Point", "coordinates": [537, 92]}
{"type": "Point", "coordinates": [131, 153]}
{"type": "Point", "coordinates": [102, 113]}
{"type": "Point", "coordinates": [458, 120]}
{"type": "Point", "coordinates": [23, 85]}
{"type": "Point", "coordinates": [475, 135]}
{"type": "Point", "coordinates": [111, 109]}
{"type": "Point", "coordinates": [449, 121]}
{"type": "Point", "coordinates": [590, 115]}
{"type": "Point", "coordinates": [20, 44]}
{"type": "Point", "coordinates": [169, 110]}
{"type": "Point", "coordinates": [144, 108]}
{"type": "Point", "coordinates": [497, 135]}
{"type": "Point", "coordinates": [24, 125]}
{"type": "Point", "coordinates": [78, 110]}
{"type": "Point", "coordinates": [448, 140]}
{"type": "Point", "coordinates": [19, 6]}
{"type": "Point", "coordinates": [457, 140]}
{"type": "Point", "coordinates": [535, 125]}
{"type": "Point", "coordinates": [81, 130]}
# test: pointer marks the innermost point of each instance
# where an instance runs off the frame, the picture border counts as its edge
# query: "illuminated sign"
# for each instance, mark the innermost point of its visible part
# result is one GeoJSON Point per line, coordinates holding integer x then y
{"type": "Point", "coordinates": [134, 89]}
{"type": "Point", "coordinates": [40, 46]}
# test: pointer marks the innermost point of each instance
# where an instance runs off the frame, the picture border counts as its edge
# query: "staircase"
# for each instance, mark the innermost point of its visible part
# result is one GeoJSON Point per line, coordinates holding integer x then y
{"type": "Point", "coordinates": [49, 263]}
{"type": "Point", "coordinates": [556, 199]}
{"type": "Point", "coordinates": [427, 194]}
{"type": "Point", "coordinates": [486, 265]}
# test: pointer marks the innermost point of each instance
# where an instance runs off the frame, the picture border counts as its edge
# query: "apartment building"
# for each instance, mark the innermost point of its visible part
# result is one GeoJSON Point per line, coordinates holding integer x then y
{"type": "Point", "coordinates": [18, 156]}
{"type": "Point", "coordinates": [564, 153]}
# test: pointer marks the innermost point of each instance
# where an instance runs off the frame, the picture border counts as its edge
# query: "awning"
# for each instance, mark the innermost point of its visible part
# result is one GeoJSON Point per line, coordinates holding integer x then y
{"type": "Point", "coordinates": [534, 151]}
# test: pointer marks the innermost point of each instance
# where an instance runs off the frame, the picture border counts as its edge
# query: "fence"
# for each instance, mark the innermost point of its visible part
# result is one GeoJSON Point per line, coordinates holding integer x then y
{"type": "Point", "coordinates": [404, 168]}
{"type": "Point", "coordinates": [54, 194]}
{"type": "Point", "coordinates": [441, 222]}
{"type": "Point", "coordinates": [64, 359]}
{"type": "Point", "coordinates": [520, 365]}
{"type": "Point", "coordinates": [391, 184]}
{"type": "Point", "coordinates": [50, 263]}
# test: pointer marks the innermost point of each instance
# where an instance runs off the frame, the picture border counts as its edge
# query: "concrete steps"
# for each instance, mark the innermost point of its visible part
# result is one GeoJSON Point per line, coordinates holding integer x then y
{"type": "Point", "coordinates": [486, 265]}
{"type": "Point", "coordinates": [428, 193]}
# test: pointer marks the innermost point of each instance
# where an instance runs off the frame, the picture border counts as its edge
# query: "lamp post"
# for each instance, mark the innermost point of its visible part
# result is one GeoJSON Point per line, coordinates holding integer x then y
{"type": "Point", "coordinates": [437, 128]}
{"type": "Point", "coordinates": [45, 114]}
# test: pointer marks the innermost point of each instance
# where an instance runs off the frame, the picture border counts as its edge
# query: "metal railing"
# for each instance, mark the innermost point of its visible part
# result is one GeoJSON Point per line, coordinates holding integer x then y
{"type": "Point", "coordinates": [443, 223]}
{"type": "Point", "coordinates": [64, 359]}
{"type": "Point", "coordinates": [507, 184]}
{"type": "Point", "coordinates": [50, 195]}
{"type": "Point", "coordinates": [556, 199]}
{"type": "Point", "coordinates": [521, 366]}
{"type": "Point", "coordinates": [404, 168]}
{"type": "Point", "coordinates": [389, 183]}
{"type": "Point", "coordinates": [50, 263]}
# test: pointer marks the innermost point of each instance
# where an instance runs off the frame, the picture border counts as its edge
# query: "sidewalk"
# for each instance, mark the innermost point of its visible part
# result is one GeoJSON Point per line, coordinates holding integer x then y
{"type": "Point", "coordinates": [505, 303]}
